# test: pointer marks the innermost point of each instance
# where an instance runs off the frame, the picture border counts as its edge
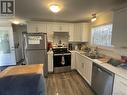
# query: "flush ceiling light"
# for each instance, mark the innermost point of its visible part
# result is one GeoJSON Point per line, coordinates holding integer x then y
{"type": "Point", "coordinates": [93, 17]}
{"type": "Point", "coordinates": [18, 21]}
{"type": "Point", "coordinates": [55, 8]}
{"type": "Point", "coordinates": [15, 22]}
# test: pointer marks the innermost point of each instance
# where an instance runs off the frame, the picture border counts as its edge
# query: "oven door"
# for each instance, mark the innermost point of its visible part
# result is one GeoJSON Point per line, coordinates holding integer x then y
{"type": "Point", "coordinates": [61, 60]}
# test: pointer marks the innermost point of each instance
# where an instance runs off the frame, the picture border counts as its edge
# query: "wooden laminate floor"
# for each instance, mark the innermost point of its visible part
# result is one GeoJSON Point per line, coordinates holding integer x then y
{"type": "Point", "coordinates": [69, 83]}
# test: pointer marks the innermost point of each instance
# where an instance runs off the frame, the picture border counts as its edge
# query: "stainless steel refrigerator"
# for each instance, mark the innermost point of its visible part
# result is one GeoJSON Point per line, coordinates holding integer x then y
{"type": "Point", "coordinates": [35, 46]}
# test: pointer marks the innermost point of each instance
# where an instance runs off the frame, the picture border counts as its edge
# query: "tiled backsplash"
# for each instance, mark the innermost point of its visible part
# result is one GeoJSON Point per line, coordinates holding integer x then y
{"type": "Point", "coordinates": [78, 45]}
{"type": "Point", "coordinates": [61, 36]}
{"type": "Point", "coordinates": [115, 52]}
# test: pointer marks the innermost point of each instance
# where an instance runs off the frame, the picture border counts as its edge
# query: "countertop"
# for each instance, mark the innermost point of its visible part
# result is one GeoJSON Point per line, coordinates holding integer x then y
{"type": "Point", "coordinates": [23, 69]}
{"type": "Point", "coordinates": [116, 70]}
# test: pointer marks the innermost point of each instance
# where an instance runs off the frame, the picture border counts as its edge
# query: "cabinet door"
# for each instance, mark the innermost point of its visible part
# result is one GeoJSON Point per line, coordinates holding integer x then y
{"type": "Point", "coordinates": [76, 61]}
{"type": "Point", "coordinates": [85, 67]}
{"type": "Point", "coordinates": [71, 32]}
{"type": "Point", "coordinates": [82, 66]}
{"type": "Point", "coordinates": [60, 27]}
{"type": "Point", "coordinates": [77, 32]}
{"type": "Point", "coordinates": [81, 32]}
{"type": "Point", "coordinates": [32, 28]}
{"type": "Point", "coordinates": [50, 32]}
{"type": "Point", "coordinates": [119, 33]}
{"type": "Point", "coordinates": [56, 27]}
{"type": "Point", "coordinates": [64, 27]}
{"type": "Point", "coordinates": [50, 61]}
{"type": "Point", "coordinates": [120, 86]}
{"type": "Point", "coordinates": [42, 27]}
{"type": "Point", "coordinates": [85, 32]}
{"type": "Point", "coordinates": [88, 71]}
{"type": "Point", "coordinates": [73, 60]}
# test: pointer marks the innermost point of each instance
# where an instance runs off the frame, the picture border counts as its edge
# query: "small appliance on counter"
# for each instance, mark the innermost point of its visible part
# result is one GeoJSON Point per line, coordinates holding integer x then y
{"type": "Point", "coordinates": [49, 46]}
{"type": "Point", "coordinates": [76, 47]}
{"type": "Point", "coordinates": [70, 47]}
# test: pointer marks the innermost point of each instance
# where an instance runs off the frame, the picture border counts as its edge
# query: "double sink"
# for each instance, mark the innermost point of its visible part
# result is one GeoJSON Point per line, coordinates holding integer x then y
{"type": "Point", "coordinates": [100, 57]}
{"type": "Point", "coordinates": [105, 59]}
{"type": "Point", "coordinates": [92, 56]}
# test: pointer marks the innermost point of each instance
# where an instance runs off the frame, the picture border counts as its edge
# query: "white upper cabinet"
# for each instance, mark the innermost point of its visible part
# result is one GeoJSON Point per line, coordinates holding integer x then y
{"type": "Point", "coordinates": [42, 27]}
{"type": "Point", "coordinates": [50, 32]}
{"type": "Point", "coordinates": [119, 35]}
{"type": "Point", "coordinates": [77, 31]}
{"type": "Point", "coordinates": [60, 27]}
{"type": "Point", "coordinates": [34, 27]}
{"type": "Point", "coordinates": [71, 31]}
{"type": "Point", "coordinates": [85, 31]}
{"type": "Point", "coordinates": [81, 32]}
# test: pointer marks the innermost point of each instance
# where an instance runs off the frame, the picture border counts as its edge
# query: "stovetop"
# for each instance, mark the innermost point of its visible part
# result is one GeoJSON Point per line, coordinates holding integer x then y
{"type": "Point", "coordinates": [60, 50]}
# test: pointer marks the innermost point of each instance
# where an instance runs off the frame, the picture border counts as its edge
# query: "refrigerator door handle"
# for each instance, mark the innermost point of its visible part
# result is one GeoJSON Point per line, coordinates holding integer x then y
{"type": "Point", "coordinates": [45, 38]}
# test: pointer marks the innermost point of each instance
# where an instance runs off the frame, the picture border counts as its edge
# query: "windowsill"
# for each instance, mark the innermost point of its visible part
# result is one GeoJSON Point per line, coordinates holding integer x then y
{"type": "Point", "coordinates": [106, 48]}
{"type": "Point", "coordinates": [109, 48]}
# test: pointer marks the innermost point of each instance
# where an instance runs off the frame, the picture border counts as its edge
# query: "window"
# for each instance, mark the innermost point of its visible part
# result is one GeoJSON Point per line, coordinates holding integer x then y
{"type": "Point", "coordinates": [102, 35]}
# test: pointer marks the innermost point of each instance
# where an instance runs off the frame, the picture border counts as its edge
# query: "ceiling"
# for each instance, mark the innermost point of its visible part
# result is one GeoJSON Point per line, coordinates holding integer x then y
{"type": "Point", "coordinates": [72, 10]}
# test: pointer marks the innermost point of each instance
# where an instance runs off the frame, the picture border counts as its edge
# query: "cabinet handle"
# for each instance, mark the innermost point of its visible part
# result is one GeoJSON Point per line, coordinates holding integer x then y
{"type": "Point", "coordinates": [123, 83]}
{"type": "Point", "coordinates": [99, 70]}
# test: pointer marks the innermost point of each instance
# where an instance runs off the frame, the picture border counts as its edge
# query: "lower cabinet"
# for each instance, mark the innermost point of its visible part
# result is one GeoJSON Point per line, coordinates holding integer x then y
{"type": "Point", "coordinates": [73, 65]}
{"type": "Point", "coordinates": [84, 67]}
{"type": "Point", "coordinates": [50, 61]}
{"type": "Point", "coordinates": [120, 86]}
{"type": "Point", "coordinates": [87, 71]}
{"type": "Point", "coordinates": [78, 63]}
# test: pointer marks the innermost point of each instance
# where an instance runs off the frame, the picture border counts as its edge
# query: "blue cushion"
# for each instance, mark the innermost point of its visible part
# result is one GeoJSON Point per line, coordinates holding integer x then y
{"type": "Point", "coordinates": [29, 84]}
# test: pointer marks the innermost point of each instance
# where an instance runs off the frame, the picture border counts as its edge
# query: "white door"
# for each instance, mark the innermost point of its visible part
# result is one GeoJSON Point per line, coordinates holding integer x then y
{"type": "Point", "coordinates": [7, 50]}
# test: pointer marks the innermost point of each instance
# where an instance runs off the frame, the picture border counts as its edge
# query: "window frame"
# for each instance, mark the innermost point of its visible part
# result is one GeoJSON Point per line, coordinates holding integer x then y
{"type": "Point", "coordinates": [97, 45]}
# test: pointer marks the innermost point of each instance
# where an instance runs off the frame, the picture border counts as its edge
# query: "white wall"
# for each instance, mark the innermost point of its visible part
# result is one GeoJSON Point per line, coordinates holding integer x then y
{"type": "Point", "coordinates": [5, 23]}
{"type": "Point", "coordinates": [107, 18]}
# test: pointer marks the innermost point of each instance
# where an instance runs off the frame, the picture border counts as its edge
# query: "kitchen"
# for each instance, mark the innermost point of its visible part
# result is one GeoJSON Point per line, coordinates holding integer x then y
{"type": "Point", "coordinates": [91, 48]}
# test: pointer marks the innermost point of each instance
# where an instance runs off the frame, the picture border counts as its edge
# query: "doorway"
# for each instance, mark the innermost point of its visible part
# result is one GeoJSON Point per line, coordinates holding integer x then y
{"type": "Point", "coordinates": [7, 50]}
